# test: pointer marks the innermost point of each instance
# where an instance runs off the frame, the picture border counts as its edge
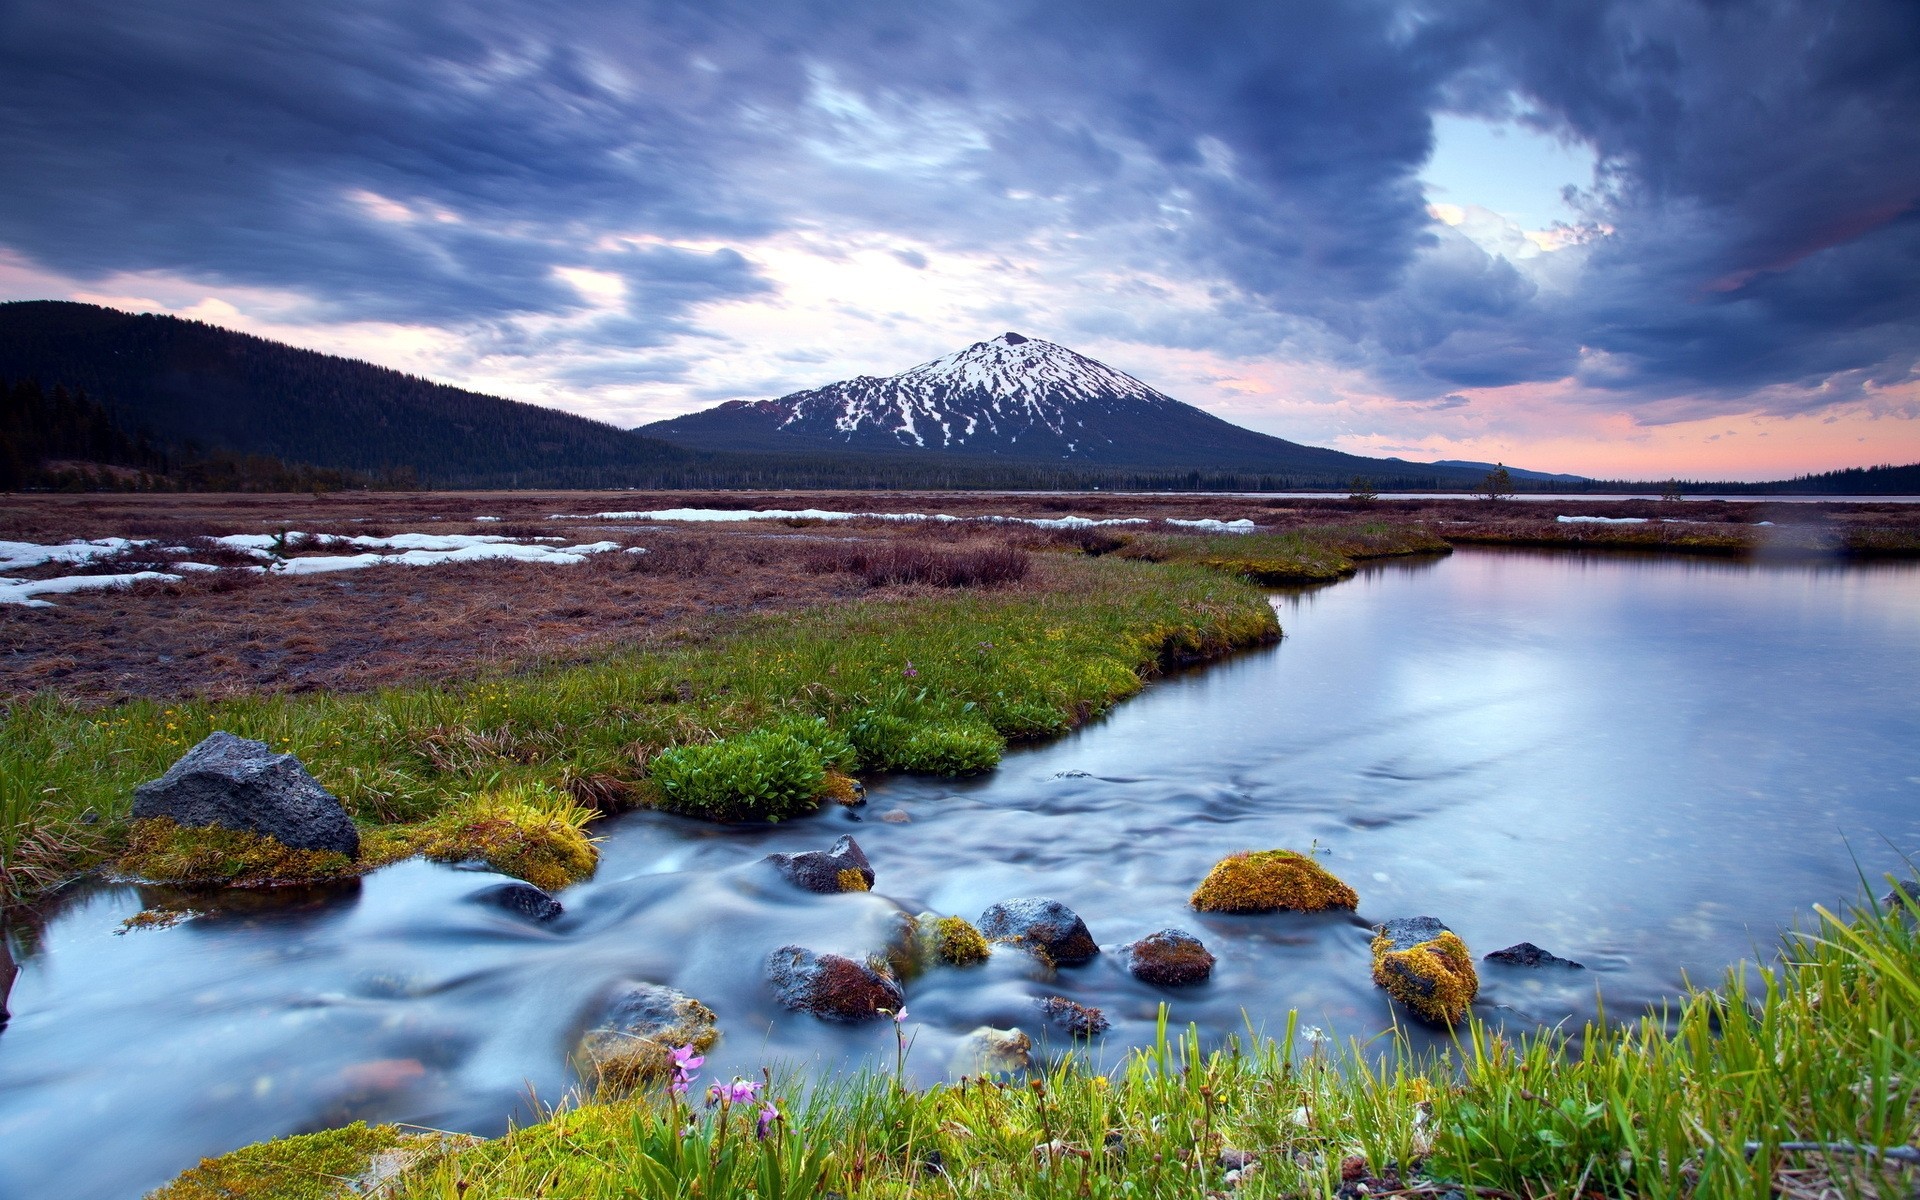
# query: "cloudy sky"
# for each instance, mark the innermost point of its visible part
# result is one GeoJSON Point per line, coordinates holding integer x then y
{"type": "Point", "coordinates": [1628, 238]}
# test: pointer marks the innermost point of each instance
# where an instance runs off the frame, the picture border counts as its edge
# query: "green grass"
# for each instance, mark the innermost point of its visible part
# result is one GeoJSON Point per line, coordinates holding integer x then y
{"type": "Point", "coordinates": [1314, 554]}
{"type": "Point", "coordinates": [1696, 1102]}
{"type": "Point", "coordinates": [927, 684]}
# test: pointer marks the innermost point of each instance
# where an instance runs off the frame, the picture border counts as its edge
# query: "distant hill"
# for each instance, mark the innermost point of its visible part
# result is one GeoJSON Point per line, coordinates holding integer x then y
{"type": "Point", "coordinates": [1885, 480]}
{"type": "Point", "coordinates": [188, 384]}
{"type": "Point", "coordinates": [1018, 399]}
{"type": "Point", "coordinates": [1519, 476]}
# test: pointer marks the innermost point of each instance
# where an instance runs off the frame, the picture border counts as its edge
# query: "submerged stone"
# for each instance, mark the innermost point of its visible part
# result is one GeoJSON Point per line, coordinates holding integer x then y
{"type": "Point", "coordinates": [520, 899]}
{"type": "Point", "coordinates": [1170, 958]}
{"type": "Point", "coordinates": [1425, 966]}
{"type": "Point", "coordinates": [1078, 1020]}
{"type": "Point", "coordinates": [1272, 881]}
{"type": "Point", "coordinates": [1037, 923]}
{"type": "Point", "coordinates": [1526, 954]}
{"type": "Point", "coordinates": [830, 986]}
{"type": "Point", "coordinates": [990, 1051]}
{"type": "Point", "coordinates": [840, 868]}
{"type": "Point", "coordinates": [240, 784]}
{"type": "Point", "coordinates": [633, 1038]}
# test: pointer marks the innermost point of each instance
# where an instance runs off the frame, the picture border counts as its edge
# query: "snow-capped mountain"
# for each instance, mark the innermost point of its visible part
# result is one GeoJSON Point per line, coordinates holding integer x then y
{"type": "Point", "coordinates": [1014, 397]}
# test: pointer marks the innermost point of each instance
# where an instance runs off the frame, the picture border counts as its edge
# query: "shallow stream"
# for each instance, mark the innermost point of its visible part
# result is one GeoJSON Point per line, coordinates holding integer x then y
{"type": "Point", "coordinates": [1650, 765]}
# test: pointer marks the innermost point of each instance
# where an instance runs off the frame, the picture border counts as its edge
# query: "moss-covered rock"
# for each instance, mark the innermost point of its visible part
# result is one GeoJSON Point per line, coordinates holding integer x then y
{"type": "Point", "coordinates": [1425, 966]}
{"type": "Point", "coordinates": [831, 986]}
{"type": "Point", "coordinates": [1077, 1020]}
{"type": "Point", "coordinates": [1169, 958]}
{"type": "Point", "coordinates": [633, 1040]}
{"type": "Point", "coordinates": [337, 1163]}
{"type": "Point", "coordinates": [840, 868]}
{"type": "Point", "coordinates": [1269, 881]}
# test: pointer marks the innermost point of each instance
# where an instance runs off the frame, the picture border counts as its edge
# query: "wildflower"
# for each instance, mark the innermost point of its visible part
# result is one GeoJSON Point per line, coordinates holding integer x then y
{"type": "Point", "coordinates": [900, 1016]}
{"type": "Point", "coordinates": [768, 1115]}
{"type": "Point", "coordinates": [910, 672]}
{"type": "Point", "coordinates": [740, 1091]}
{"type": "Point", "coordinates": [685, 1064]}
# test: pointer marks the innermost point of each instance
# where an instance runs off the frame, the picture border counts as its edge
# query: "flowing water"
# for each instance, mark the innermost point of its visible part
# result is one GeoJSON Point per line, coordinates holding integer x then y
{"type": "Point", "coordinates": [1650, 765]}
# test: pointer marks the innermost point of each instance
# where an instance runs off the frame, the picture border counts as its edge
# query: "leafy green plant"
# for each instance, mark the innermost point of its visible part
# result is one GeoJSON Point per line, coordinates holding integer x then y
{"type": "Point", "coordinates": [765, 775]}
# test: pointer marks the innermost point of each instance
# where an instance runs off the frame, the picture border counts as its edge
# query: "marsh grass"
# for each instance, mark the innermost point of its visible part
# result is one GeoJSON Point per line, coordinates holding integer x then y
{"type": "Point", "coordinates": [1823, 1048]}
{"type": "Point", "coordinates": [1311, 554]}
{"type": "Point", "coordinates": [934, 682]}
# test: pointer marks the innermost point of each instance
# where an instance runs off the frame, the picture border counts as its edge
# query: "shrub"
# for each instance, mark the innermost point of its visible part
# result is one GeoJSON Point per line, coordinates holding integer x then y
{"type": "Point", "coordinates": [889, 742]}
{"type": "Point", "coordinates": [767, 775]}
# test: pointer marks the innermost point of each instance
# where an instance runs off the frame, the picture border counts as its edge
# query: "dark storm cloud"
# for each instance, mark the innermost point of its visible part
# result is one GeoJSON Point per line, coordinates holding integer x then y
{"type": "Point", "coordinates": [439, 161]}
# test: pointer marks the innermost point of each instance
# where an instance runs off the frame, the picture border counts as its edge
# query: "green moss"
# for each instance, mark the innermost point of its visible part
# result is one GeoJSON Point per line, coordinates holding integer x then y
{"type": "Point", "coordinates": [529, 831]}
{"type": "Point", "coordinates": [1435, 979]}
{"type": "Point", "coordinates": [766, 775]}
{"type": "Point", "coordinates": [312, 1166]}
{"type": "Point", "coordinates": [954, 941]}
{"type": "Point", "coordinates": [1269, 880]}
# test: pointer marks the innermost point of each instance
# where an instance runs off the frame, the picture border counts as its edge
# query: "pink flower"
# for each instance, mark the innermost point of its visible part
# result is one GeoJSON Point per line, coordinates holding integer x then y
{"type": "Point", "coordinates": [740, 1091]}
{"type": "Point", "coordinates": [900, 1016]}
{"type": "Point", "coordinates": [768, 1115]}
{"type": "Point", "coordinates": [910, 672]}
{"type": "Point", "coordinates": [685, 1063]}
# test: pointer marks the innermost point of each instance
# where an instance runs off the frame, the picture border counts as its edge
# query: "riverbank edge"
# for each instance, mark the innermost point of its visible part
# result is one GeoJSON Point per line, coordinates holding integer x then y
{"type": "Point", "coordinates": [936, 683]}
{"type": "Point", "coordinates": [1788, 1080]}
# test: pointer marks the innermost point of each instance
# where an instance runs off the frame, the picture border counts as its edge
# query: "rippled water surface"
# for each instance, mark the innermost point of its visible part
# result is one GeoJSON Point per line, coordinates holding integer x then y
{"type": "Point", "coordinates": [1649, 765]}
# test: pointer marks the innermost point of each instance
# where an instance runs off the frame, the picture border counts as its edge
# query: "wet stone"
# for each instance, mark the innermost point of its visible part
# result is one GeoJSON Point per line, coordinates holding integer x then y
{"type": "Point", "coordinates": [1078, 1020]}
{"type": "Point", "coordinates": [1040, 924]}
{"type": "Point", "coordinates": [520, 899]}
{"type": "Point", "coordinates": [1526, 954]}
{"type": "Point", "coordinates": [840, 868]}
{"type": "Point", "coordinates": [641, 1024]}
{"type": "Point", "coordinates": [831, 987]}
{"type": "Point", "coordinates": [990, 1051]}
{"type": "Point", "coordinates": [236, 783]}
{"type": "Point", "coordinates": [1407, 932]}
{"type": "Point", "coordinates": [1170, 958]}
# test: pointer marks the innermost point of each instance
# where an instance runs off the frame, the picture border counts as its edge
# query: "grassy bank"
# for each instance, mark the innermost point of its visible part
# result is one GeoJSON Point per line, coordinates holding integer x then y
{"type": "Point", "coordinates": [1315, 554]}
{"type": "Point", "coordinates": [1822, 1049]}
{"type": "Point", "coordinates": [768, 708]}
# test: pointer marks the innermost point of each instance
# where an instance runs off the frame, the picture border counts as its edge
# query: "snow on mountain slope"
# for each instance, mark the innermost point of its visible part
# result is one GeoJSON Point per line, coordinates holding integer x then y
{"type": "Point", "coordinates": [1002, 389]}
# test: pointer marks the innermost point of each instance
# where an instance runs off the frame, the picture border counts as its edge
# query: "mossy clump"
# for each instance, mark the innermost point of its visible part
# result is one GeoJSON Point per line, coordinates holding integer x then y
{"type": "Point", "coordinates": [1434, 978]}
{"type": "Point", "coordinates": [768, 774]}
{"type": "Point", "coordinates": [311, 1166]}
{"type": "Point", "coordinates": [161, 851]}
{"type": "Point", "coordinates": [529, 831]}
{"type": "Point", "coordinates": [851, 880]}
{"type": "Point", "coordinates": [954, 941]}
{"type": "Point", "coordinates": [1270, 880]}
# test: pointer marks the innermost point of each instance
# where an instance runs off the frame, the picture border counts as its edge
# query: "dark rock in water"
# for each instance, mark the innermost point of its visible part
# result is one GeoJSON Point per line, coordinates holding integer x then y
{"type": "Point", "coordinates": [1170, 958]}
{"type": "Point", "coordinates": [842, 868]}
{"type": "Point", "coordinates": [1407, 932]}
{"type": "Point", "coordinates": [7, 972]}
{"type": "Point", "coordinates": [240, 784]}
{"type": "Point", "coordinates": [1077, 1019]}
{"type": "Point", "coordinates": [633, 1040]}
{"type": "Point", "coordinates": [831, 987]}
{"type": "Point", "coordinates": [1891, 902]}
{"type": "Point", "coordinates": [1526, 954]}
{"type": "Point", "coordinates": [1041, 924]}
{"type": "Point", "coordinates": [521, 899]}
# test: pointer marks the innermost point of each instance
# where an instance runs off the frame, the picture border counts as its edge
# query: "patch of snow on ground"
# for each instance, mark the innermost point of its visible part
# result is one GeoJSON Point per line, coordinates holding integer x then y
{"type": "Point", "coordinates": [551, 555]}
{"type": "Point", "coordinates": [1601, 520]}
{"type": "Point", "coordinates": [15, 555]}
{"type": "Point", "coordinates": [23, 591]}
{"type": "Point", "coordinates": [1241, 526]}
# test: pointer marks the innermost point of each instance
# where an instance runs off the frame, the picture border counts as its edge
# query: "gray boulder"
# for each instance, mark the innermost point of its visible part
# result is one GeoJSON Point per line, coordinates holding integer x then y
{"type": "Point", "coordinates": [1078, 1020]}
{"type": "Point", "coordinates": [840, 868]}
{"type": "Point", "coordinates": [831, 987]}
{"type": "Point", "coordinates": [1408, 932]}
{"type": "Point", "coordinates": [639, 1027]}
{"type": "Point", "coordinates": [520, 899]}
{"type": "Point", "coordinates": [236, 783]}
{"type": "Point", "coordinates": [1903, 890]}
{"type": "Point", "coordinates": [1041, 924]}
{"type": "Point", "coordinates": [1526, 954]}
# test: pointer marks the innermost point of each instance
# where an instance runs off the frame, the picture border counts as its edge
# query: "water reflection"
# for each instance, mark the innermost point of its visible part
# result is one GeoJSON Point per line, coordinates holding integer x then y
{"type": "Point", "coordinates": [1649, 765]}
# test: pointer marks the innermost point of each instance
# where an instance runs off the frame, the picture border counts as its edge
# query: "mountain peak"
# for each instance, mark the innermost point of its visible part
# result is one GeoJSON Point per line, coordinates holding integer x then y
{"type": "Point", "coordinates": [1010, 338]}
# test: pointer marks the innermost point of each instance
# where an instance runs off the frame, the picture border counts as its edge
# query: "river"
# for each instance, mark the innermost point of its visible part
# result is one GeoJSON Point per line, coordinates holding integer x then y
{"type": "Point", "coordinates": [1648, 764]}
